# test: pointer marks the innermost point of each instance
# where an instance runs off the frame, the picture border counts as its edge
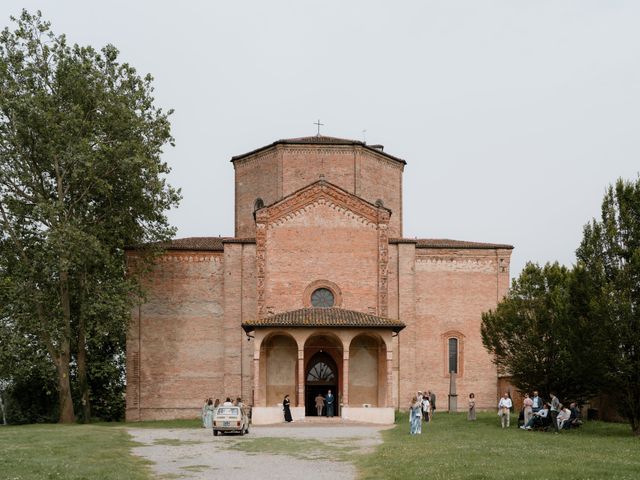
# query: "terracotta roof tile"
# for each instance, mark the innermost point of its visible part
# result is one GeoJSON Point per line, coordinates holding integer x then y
{"type": "Point", "coordinates": [448, 243]}
{"type": "Point", "coordinates": [324, 317]}
{"type": "Point", "coordinates": [211, 244]}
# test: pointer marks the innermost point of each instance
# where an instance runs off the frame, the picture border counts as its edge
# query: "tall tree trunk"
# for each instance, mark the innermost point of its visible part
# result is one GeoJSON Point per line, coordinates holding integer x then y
{"type": "Point", "coordinates": [65, 400]}
{"type": "Point", "coordinates": [82, 356]}
{"type": "Point", "coordinates": [4, 414]}
{"type": "Point", "coordinates": [64, 383]}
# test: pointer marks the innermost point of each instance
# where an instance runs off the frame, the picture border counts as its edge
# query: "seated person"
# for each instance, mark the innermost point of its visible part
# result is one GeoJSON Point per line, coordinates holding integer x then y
{"type": "Point", "coordinates": [574, 420]}
{"type": "Point", "coordinates": [538, 419]}
{"type": "Point", "coordinates": [563, 416]}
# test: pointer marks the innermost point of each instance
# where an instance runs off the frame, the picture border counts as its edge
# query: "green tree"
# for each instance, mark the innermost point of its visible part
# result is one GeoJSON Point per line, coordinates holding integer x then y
{"type": "Point", "coordinates": [540, 337]}
{"type": "Point", "coordinates": [610, 256]}
{"type": "Point", "coordinates": [80, 178]}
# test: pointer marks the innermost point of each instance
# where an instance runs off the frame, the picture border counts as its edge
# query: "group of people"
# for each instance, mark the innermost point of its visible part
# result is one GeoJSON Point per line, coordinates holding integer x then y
{"type": "Point", "coordinates": [535, 414]}
{"type": "Point", "coordinates": [210, 407]}
{"type": "Point", "coordinates": [321, 401]}
{"type": "Point", "coordinates": [538, 414]}
{"type": "Point", "coordinates": [422, 408]}
{"type": "Point", "coordinates": [329, 401]}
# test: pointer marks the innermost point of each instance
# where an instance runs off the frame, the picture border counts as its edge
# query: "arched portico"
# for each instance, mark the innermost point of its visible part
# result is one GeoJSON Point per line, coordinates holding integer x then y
{"type": "Point", "coordinates": [356, 347]}
{"type": "Point", "coordinates": [278, 360]}
{"type": "Point", "coordinates": [368, 370]}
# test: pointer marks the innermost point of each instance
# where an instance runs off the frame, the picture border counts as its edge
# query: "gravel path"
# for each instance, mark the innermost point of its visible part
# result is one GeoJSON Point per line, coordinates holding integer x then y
{"type": "Point", "coordinates": [312, 452]}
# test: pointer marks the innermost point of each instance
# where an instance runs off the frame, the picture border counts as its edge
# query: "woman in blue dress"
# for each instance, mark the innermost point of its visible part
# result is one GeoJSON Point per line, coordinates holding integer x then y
{"type": "Point", "coordinates": [415, 416]}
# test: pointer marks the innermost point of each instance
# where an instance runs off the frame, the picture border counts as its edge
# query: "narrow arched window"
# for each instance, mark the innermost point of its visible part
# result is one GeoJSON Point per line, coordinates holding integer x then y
{"type": "Point", "coordinates": [258, 204]}
{"type": "Point", "coordinates": [453, 355]}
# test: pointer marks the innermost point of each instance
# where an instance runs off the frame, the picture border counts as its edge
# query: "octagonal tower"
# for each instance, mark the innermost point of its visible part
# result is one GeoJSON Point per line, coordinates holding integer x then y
{"type": "Point", "coordinates": [270, 173]}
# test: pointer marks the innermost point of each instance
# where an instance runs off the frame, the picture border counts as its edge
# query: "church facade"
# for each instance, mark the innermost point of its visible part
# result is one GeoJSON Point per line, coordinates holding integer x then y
{"type": "Point", "coordinates": [317, 290]}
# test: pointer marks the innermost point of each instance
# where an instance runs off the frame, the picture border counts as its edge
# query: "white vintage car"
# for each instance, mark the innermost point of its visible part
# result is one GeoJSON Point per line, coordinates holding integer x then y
{"type": "Point", "coordinates": [230, 419]}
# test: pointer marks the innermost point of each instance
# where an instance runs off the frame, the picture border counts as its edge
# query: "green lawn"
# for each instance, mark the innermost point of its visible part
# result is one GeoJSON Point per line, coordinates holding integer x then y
{"type": "Point", "coordinates": [74, 452]}
{"type": "Point", "coordinates": [453, 448]}
{"type": "Point", "coordinates": [449, 448]}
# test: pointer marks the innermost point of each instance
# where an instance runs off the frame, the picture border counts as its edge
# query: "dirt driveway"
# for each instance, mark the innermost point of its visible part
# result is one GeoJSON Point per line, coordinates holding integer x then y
{"type": "Point", "coordinates": [285, 452]}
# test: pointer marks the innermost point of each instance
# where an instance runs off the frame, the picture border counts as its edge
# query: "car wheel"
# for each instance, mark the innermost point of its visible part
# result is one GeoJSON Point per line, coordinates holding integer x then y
{"type": "Point", "coordinates": [215, 433]}
{"type": "Point", "coordinates": [242, 432]}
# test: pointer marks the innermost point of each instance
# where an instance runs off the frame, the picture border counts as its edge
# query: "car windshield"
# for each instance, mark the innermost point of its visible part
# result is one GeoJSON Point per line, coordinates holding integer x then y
{"type": "Point", "coordinates": [227, 411]}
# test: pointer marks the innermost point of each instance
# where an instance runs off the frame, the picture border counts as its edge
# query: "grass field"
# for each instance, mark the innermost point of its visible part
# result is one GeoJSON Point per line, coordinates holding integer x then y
{"type": "Point", "coordinates": [74, 452]}
{"type": "Point", "coordinates": [453, 448]}
{"type": "Point", "coordinates": [449, 448]}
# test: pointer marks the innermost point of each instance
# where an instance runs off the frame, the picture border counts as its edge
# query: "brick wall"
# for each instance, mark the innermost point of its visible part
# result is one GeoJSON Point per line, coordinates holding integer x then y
{"type": "Point", "coordinates": [282, 170]}
{"type": "Point", "coordinates": [453, 288]}
{"type": "Point", "coordinates": [174, 348]}
{"type": "Point", "coordinates": [322, 242]}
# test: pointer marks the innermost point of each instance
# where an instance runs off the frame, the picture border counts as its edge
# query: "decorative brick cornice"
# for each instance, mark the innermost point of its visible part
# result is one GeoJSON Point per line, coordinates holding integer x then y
{"type": "Point", "coordinates": [242, 162]}
{"type": "Point", "coordinates": [325, 143]}
{"type": "Point", "coordinates": [327, 192]}
{"type": "Point", "coordinates": [428, 263]}
{"type": "Point", "coordinates": [190, 257]}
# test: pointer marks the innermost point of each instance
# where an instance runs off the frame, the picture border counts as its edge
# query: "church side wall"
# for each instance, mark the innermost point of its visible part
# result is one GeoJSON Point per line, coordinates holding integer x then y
{"type": "Point", "coordinates": [175, 353]}
{"type": "Point", "coordinates": [453, 288]}
{"type": "Point", "coordinates": [249, 312]}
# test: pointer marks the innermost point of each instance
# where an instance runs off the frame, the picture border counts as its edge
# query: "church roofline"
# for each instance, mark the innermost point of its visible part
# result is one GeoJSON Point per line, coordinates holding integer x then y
{"type": "Point", "coordinates": [320, 140]}
{"type": "Point", "coordinates": [216, 244]}
{"type": "Point", "coordinates": [199, 244]}
{"type": "Point", "coordinates": [323, 317]}
{"type": "Point", "coordinates": [448, 243]}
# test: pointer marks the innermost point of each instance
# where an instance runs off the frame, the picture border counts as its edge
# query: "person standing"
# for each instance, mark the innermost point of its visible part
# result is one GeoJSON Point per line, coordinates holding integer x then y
{"type": "Point", "coordinates": [319, 404]}
{"type": "Point", "coordinates": [415, 416]}
{"type": "Point", "coordinates": [537, 402]}
{"type": "Point", "coordinates": [330, 399]}
{"type": "Point", "coordinates": [504, 410]}
{"type": "Point", "coordinates": [432, 402]}
{"type": "Point", "coordinates": [286, 408]}
{"type": "Point", "coordinates": [204, 411]}
{"type": "Point", "coordinates": [208, 416]}
{"type": "Point", "coordinates": [553, 411]}
{"type": "Point", "coordinates": [472, 407]}
{"type": "Point", "coordinates": [527, 404]}
{"type": "Point", "coordinates": [426, 405]}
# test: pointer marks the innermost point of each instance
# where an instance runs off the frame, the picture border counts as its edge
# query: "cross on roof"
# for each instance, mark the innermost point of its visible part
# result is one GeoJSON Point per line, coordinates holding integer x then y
{"type": "Point", "coordinates": [319, 125]}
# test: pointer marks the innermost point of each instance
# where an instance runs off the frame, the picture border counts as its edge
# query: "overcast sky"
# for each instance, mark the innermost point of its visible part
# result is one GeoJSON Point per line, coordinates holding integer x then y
{"type": "Point", "coordinates": [513, 116]}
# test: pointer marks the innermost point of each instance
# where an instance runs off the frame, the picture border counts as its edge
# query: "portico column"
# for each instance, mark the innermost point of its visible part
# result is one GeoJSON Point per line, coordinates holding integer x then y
{"type": "Point", "coordinates": [257, 397]}
{"type": "Point", "coordinates": [345, 377]}
{"type": "Point", "coordinates": [389, 377]}
{"type": "Point", "coordinates": [300, 399]}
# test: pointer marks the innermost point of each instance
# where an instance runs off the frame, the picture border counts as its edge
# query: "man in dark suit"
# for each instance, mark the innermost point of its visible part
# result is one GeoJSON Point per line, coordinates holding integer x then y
{"type": "Point", "coordinates": [330, 399]}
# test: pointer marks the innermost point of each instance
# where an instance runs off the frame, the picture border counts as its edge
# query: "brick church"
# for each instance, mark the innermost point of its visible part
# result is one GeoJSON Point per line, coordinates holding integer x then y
{"type": "Point", "coordinates": [317, 290]}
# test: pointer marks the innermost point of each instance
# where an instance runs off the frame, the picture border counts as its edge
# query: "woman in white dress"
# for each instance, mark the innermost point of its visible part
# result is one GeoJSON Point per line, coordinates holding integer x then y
{"type": "Point", "coordinates": [208, 416]}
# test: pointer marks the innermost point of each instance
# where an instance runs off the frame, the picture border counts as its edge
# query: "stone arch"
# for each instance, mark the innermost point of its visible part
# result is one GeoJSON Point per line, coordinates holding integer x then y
{"type": "Point", "coordinates": [278, 361]}
{"type": "Point", "coordinates": [367, 370]}
{"type": "Point", "coordinates": [327, 347]}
